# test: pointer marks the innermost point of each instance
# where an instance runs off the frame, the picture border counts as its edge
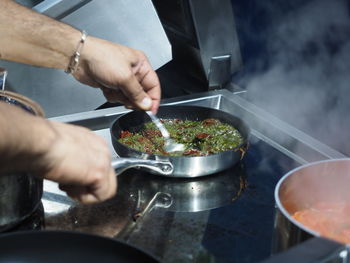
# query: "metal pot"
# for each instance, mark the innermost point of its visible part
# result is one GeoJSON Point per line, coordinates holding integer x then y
{"type": "Point", "coordinates": [303, 188]}
{"type": "Point", "coordinates": [20, 193]}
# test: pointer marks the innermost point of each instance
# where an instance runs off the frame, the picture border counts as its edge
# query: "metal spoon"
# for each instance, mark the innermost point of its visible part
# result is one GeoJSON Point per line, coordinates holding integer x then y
{"type": "Point", "coordinates": [170, 145]}
{"type": "Point", "coordinates": [3, 74]}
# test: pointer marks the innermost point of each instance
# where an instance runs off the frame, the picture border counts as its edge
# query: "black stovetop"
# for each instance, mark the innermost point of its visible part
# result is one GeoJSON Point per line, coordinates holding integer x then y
{"type": "Point", "coordinates": [237, 227]}
{"type": "Point", "coordinates": [238, 231]}
{"type": "Point", "coordinates": [242, 231]}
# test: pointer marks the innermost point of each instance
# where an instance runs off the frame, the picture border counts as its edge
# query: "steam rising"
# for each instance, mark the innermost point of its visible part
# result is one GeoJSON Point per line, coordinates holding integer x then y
{"type": "Point", "coordinates": [305, 77]}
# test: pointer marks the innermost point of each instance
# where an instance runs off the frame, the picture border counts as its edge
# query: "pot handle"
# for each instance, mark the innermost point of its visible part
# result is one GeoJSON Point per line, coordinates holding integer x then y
{"type": "Point", "coordinates": [314, 250]}
{"type": "Point", "coordinates": [161, 167]}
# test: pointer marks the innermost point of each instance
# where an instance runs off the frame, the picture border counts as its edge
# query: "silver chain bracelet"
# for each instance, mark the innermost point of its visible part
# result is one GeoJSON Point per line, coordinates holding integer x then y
{"type": "Point", "coordinates": [74, 61]}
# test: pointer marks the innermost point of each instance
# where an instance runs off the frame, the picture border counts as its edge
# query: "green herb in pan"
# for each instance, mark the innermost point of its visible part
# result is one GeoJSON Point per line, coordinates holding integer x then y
{"type": "Point", "coordinates": [200, 138]}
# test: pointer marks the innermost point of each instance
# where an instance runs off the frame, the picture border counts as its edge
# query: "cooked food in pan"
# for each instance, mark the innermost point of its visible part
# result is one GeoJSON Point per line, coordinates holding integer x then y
{"type": "Point", "coordinates": [329, 219]}
{"type": "Point", "coordinates": [201, 138]}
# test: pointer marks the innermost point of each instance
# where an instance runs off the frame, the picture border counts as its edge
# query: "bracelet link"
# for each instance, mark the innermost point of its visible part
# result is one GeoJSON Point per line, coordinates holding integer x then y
{"type": "Point", "coordinates": [74, 61]}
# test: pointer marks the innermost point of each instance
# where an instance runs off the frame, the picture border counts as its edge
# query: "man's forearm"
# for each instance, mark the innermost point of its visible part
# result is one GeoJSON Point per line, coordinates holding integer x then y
{"type": "Point", "coordinates": [32, 38]}
{"type": "Point", "coordinates": [23, 139]}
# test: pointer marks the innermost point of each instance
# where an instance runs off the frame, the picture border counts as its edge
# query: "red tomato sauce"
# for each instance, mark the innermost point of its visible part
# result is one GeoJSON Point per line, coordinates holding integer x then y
{"type": "Point", "coordinates": [331, 220]}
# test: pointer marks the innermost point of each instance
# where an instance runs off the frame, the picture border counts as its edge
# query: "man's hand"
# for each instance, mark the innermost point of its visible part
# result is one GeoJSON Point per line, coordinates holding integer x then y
{"type": "Point", "coordinates": [123, 74]}
{"type": "Point", "coordinates": [73, 156]}
{"type": "Point", "coordinates": [80, 162]}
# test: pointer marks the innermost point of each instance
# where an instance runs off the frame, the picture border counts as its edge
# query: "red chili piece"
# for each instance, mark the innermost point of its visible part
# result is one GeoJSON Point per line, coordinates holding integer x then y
{"type": "Point", "coordinates": [124, 134]}
{"type": "Point", "coordinates": [152, 133]}
{"type": "Point", "coordinates": [191, 151]}
{"type": "Point", "coordinates": [202, 135]}
{"type": "Point", "coordinates": [208, 122]}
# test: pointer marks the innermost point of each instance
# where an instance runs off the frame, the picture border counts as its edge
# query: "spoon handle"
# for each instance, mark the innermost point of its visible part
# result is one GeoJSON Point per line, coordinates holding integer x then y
{"type": "Point", "coordinates": [159, 125]}
{"type": "Point", "coordinates": [3, 75]}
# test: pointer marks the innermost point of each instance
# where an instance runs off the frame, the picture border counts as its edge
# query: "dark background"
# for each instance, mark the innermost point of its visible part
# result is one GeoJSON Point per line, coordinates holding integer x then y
{"type": "Point", "coordinates": [296, 56]}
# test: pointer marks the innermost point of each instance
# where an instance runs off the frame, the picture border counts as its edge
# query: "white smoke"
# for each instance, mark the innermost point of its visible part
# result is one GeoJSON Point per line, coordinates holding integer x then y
{"type": "Point", "coordinates": [307, 80]}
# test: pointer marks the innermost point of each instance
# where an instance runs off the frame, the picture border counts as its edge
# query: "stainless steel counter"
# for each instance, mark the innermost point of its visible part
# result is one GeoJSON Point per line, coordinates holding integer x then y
{"type": "Point", "coordinates": [126, 216]}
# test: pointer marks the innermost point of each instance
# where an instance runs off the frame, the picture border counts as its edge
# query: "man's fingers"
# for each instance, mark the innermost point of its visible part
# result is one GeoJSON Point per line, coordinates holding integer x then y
{"type": "Point", "coordinates": [113, 183]}
{"type": "Point", "coordinates": [89, 194]}
{"type": "Point", "coordinates": [94, 192]}
{"type": "Point", "coordinates": [118, 96]}
{"type": "Point", "coordinates": [107, 189]}
{"type": "Point", "coordinates": [131, 94]}
{"type": "Point", "coordinates": [135, 93]}
{"type": "Point", "coordinates": [115, 95]}
{"type": "Point", "coordinates": [149, 80]}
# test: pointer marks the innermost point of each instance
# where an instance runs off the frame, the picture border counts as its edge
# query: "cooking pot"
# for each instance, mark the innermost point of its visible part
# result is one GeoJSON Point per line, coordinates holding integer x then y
{"type": "Point", "coordinates": [308, 186]}
{"type": "Point", "coordinates": [20, 193]}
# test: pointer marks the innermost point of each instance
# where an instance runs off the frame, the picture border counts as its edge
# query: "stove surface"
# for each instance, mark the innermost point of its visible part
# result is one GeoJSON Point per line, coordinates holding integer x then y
{"type": "Point", "coordinates": [239, 229]}
{"type": "Point", "coordinates": [242, 231]}
{"type": "Point", "coordinates": [225, 217]}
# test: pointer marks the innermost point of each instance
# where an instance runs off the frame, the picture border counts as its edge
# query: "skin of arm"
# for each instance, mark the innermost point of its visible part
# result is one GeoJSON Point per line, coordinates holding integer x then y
{"type": "Point", "coordinates": [49, 150]}
{"type": "Point", "coordinates": [124, 74]}
{"type": "Point", "coordinates": [73, 156]}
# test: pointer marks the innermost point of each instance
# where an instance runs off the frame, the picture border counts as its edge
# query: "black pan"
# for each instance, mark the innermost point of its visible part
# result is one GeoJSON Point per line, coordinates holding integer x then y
{"type": "Point", "coordinates": [183, 166]}
{"type": "Point", "coordinates": [67, 247]}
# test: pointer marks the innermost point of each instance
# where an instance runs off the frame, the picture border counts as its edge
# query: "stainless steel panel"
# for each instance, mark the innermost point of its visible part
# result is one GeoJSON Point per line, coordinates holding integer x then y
{"type": "Point", "coordinates": [204, 37]}
{"type": "Point", "coordinates": [59, 8]}
{"type": "Point", "coordinates": [216, 32]}
{"type": "Point", "coordinates": [132, 23]}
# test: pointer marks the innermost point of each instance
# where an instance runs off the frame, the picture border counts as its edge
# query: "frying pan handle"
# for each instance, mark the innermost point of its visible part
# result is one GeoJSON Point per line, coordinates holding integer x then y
{"type": "Point", "coordinates": [161, 167]}
{"type": "Point", "coordinates": [316, 249]}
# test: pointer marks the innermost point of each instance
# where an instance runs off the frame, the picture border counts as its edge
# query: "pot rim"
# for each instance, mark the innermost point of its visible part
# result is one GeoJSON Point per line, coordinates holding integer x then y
{"type": "Point", "coordinates": [36, 109]}
{"type": "Point", "coordinates": [290, 173]}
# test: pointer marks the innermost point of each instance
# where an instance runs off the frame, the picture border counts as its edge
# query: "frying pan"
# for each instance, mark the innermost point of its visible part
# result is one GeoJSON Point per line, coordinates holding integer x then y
{"type": "Point", "coordinates": [68, 247]}
{"type": "Point", "coordinates": [183, 166]}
